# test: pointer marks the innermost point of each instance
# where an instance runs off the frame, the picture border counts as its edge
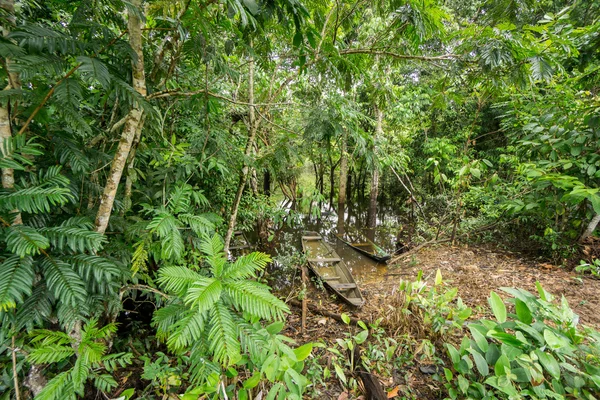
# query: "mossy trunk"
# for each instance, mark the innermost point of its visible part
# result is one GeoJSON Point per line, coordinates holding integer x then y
{"type": "Point", "coordinates": [131, 126]}
{"type": "Point", "coordinates": [247, 153]}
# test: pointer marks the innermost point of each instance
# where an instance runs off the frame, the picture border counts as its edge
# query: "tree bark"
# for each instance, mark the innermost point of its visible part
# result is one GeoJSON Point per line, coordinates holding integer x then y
{"type": "Point", "coordinates": [130, 168]}
{"type": "Point", "coordinates": [343, 174]}
{"type": "Point", "coordinates": [372, 216]}
{"type": "Point", "coordinates": [590, 228]}
{"type": "Point", "coordinates": [247, 153]}
{"type": "Point", "coordinates": [8, 174]}
{"type": "Point", "coordinates": [131, 126]}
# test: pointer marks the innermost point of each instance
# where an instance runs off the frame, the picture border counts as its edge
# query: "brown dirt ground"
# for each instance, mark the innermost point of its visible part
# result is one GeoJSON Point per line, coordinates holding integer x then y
{"type": "Point", "coordinates": [475, 271]}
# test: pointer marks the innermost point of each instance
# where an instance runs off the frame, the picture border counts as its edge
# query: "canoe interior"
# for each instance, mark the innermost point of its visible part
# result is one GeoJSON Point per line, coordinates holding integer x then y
{"type": "Point", "coordinates": [365, 246]}
{"type": "Point", "coordinates": [328, 266]}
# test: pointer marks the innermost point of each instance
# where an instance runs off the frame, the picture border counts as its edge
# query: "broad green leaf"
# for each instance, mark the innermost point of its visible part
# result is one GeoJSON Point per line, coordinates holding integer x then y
{"type": "Point", "coordinates": [346, 318]}
{"type": "Point", "coordinates": [502, 366]}
{"type": "Point", "coordinates": [498, 307]}
{"type": "Point", "coordinates": [480, 363]}
{"type": "Point", "coordinates": [549, 363]}
{"type": "Point", "coordinates": [523, 312]}
{"type": "Point", "coordinates": [479, 338]}
{"type": "Point", "coordinates": [361, 337]}
{"type": "Point", "coordinates": [303, 351]}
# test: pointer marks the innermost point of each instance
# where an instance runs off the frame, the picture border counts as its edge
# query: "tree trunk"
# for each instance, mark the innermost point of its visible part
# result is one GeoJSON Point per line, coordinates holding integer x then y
{"type": "Point", "coordinates": [267, 183]}
{"type": "Point", "coordinates": [247, 154]}
{"type": "Point", "coordinates": [372, 216]}
{"type": "Point", "coordinates": [8, 174]}
{"type": "Point", "coordinates": [130, 168]}
{"type": "Point", "coordinates": [343, 178]}
{"type": "Point", "coordinates": [132, 124]}
{"type": "Point", "coordinates": [590, 228]}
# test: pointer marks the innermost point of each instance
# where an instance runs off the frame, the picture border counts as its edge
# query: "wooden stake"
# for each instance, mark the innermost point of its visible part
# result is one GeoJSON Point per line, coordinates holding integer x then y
{"type": "Point", "coordinates": [304, 300]}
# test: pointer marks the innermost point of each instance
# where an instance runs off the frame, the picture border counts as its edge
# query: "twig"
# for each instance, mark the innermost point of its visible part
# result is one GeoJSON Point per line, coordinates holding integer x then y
{"type": "Point", "coordinates": [400, 56]}
{"type": "Point", "coordinates": [142, 287]}
{"type": "Point", "coordinates": [14, 368]}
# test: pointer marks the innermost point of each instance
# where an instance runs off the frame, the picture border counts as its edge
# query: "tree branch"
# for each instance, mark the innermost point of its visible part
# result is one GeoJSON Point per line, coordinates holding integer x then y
{"type": "Point", "coordinates": [400, 56]}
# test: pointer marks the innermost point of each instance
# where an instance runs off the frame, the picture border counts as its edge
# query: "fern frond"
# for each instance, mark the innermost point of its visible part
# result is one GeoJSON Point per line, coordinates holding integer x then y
{"type": "Point", "coordinates": [166, 317]}
{"type": "Point", "coordinates": [177, 279]}
{"type": "Point", "coordinates": [172, 245]}
{"type": "Point", "coordinates": [43, 337]}
{"type": "Point", "coordinates": [68, 153]}
{"type": "Point", "coordinates": [50, 176]}
{"type": "Point", "coordinates": [69, 93]}
{"type": "Point", "coordinates": [104, 382]}
{"type": "Point", "coordinates": [60, 387]}
{"type": "Point", "coordinates": [34, 199]}
{"type": "Point", "coordinates": [213, 248]}
{"type": "Point", "coordinates": [198, 223]}
{"type": "Point", "coordinates": [63, 282]}
{"type": "Point", "coordinates": [204, 293]}
{"type": "Point", "coordinates": [180, 198]}
{"type": "Point", "coordinates": [162, 224]}
{"type": "Point", "coordinates": [93, 67]}
{"type": "Point", "coordinates": [17, 279]}
{"type": "Point", "coordinates": [13, 150]}
{"type": "Point", "coordinates": [246, 266]}
{"type": "Point", "coordinates": [75, 238]}
{"type": "Point", "coordinates": [50, 353]}
{"type": "Point", "coordinates": [139, 258]}
{"type": "Point", "coordinates": [93, 267]}
{"type": "Point", "coordinates": [111, 362]}
{"type": "Point", "coordinates": [35, 309]}
{"type": "Point", "coordinates": [256, 299]}
{"type": "Point", "coordinates": [79, 374]}
{"type": "Point", "coordinates": [201, 366]}
{"type": "Point", "coordinates": [186, 330]}
{"type": "Point", "coordinates": [223, 336]}
{"type": "Point", "coordinates": [25, 240]}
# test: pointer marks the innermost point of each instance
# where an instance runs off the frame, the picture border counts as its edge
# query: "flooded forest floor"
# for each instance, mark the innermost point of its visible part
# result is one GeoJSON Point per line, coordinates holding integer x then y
{"type": "Point", "coordinates": [475, 271]}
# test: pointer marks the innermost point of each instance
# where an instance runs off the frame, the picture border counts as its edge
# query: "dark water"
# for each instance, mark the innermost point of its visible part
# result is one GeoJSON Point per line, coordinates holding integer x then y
{"type": "Point", "coordinates": [354, 221]}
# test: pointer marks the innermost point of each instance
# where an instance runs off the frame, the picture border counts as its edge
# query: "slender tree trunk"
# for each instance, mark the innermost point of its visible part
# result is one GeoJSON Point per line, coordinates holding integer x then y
{"type": "Point", "coordinates": [8, 174]}
{"type": "Point", "coordinates": [267, 183]}
{"type": "Point", "coordinates": [247, 154]}
{"type": "Point", "coordinates": [372, 216]}
{"type": "Point", "coordinates": [590, 228]}
{"type": "Point", "coordinates": [130, 168]}
{"type": "Point", "coordinates": [133, 122]}
{"type": "Point", "coordinates": [343, 174]}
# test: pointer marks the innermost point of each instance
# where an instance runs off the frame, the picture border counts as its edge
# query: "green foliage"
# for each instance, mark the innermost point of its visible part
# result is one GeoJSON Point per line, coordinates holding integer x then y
{"type": "Point", "coordinates": [537, 352]}
{"type": "Point", "coordinates": [88, 353]}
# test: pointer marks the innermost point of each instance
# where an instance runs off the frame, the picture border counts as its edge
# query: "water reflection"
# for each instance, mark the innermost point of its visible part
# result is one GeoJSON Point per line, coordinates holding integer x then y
{"type": "Point", "coordinates": [363, 268]}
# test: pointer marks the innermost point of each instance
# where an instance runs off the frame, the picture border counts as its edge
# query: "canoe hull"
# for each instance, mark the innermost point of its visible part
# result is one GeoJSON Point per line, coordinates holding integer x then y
{"type": "Point", "coordinates": [379, 258]}
{"type": "Point", "coordinates": [327, 265]}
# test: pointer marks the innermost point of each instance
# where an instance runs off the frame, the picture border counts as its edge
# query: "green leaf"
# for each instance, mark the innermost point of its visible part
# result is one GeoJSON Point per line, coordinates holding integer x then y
{"type": "Point", "coordinates": [480, 362]}
{"type": "Point", "coordinates": [346, 318]}
{"type": "Point", "coordinates": [555, 342]}
{"type": "Point", "coordinates": [340, 374]}
{"type": "Point", "coordinates": [498, 307]}
{"type": "Point", "coordinates": [523, 312]}
{"type": "Point", "coordinates": [438, 278]}
{"type": "Point", "coordinates": [502, 366]}
{"type": "Point", "coordinates": [479, 338]}
{"type": "Point", "coordinates": [361, 337]}
{"type": "Point", "coordinates": [549, 363]}
{"type": "Point", "coordinates": [252, 382]}
{"type": "Point", "coordinates": [303, 351]}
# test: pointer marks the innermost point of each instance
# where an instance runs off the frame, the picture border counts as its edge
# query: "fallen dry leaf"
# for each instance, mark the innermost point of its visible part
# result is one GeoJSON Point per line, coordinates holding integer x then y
{"type": "Point", "coordinates": [343, 396]}
{"type": "Point", "coordinates": [393, 393]}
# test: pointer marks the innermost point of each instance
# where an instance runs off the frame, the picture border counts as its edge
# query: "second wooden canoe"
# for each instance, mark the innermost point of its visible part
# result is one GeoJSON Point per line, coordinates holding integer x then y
{"type": "Point", "coordinates": [366, 247]}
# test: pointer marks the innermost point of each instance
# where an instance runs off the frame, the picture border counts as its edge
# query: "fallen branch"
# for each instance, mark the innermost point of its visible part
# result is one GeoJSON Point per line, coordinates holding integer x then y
{"type": "Point", "coordinates": [325, 313]}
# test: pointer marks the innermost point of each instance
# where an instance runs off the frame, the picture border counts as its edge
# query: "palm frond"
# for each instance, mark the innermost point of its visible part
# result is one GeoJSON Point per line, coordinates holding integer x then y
{"type": "Point", "coordinates": [17, 279]}
{"type": "Point", "coordinates": [25, 240]}
{"type": "Point", "coordinates": [223, 335]}
{"type": "Point", "coordinates": [256, 299]}
{"type": "Point", "coordinates": [203, 294]}
{"type": "Point", "coordinates": [246, 266]}
{"type": "Point", "coordinates": [59, 387]}
{"type": "Point", "coordinates": [50, 353]}
{"type": "Point", "coordinates": [198, 223]}
{"type": "Point", "coordinates": [74, 238]}
{"type": "Point", "coordinates": [34, 199]}
{"type": "Point", "coordinates": [186, 330]}
{"type": "Point", "coordinates": [63, 282]}
{"type": "Point", "coordinates": [177, 279]}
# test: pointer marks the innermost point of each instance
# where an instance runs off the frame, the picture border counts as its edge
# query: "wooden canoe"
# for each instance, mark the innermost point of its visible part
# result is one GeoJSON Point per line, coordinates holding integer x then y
{"type": "Point", "coordinates": [240, 245]}
{"type": "Point", "coordinates": [331, 269]}
{"type": "Point", "coordinates": [366, 247]}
